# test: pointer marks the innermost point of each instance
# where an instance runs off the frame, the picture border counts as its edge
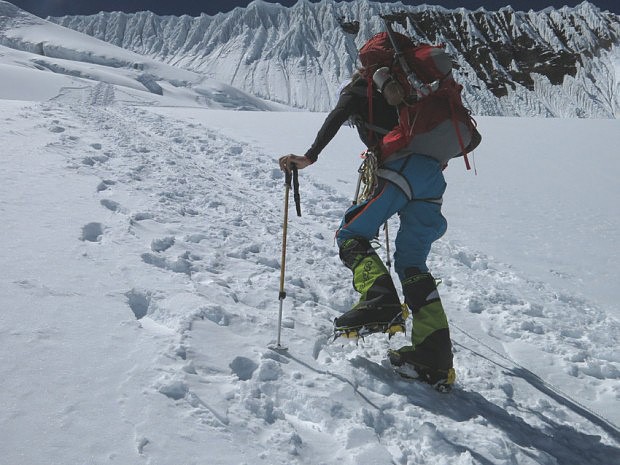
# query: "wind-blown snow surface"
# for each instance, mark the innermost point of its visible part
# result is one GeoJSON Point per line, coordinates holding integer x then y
{"type": "Point", "coordinates": [141, 263]}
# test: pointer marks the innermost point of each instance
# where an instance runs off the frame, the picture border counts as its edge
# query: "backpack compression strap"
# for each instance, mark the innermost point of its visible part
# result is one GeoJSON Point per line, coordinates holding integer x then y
{"type": "Point", "coordinates": [455, 122]}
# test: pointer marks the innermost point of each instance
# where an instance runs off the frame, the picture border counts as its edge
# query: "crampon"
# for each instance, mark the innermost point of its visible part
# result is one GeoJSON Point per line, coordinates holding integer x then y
{"type": "Point", "coordinates": [396, 325]}
{"type": "Point", "coordinates": [440, 380]}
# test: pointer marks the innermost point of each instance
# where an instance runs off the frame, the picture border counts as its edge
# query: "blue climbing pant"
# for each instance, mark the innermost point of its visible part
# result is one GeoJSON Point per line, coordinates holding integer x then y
{"type": "Point", "coordinates": [411, 187]}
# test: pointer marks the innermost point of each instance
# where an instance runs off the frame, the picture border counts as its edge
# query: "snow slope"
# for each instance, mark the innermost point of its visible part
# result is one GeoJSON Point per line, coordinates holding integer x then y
{"type": "Point", "coordinates": [141, 262]}
{"type": "Point", "coordinates": [30, 45]}
{"type": "Point", "coordinates": [139, 293]}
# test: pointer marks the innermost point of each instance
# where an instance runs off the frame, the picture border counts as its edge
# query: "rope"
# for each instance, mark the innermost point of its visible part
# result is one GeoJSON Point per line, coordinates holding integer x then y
{"type": "Point", "coordinates": [545, 386]}
{"type": "Point", "coordinates": [368, 176]}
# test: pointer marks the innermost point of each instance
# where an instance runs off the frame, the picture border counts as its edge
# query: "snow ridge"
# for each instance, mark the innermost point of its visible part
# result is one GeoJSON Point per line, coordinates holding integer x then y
{"type": "Point", "coordinates": [547, 63]}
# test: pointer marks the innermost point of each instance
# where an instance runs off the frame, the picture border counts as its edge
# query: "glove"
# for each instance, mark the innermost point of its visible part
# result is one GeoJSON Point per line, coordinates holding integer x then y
{"type": "Point", "coordinates": [286, 161]}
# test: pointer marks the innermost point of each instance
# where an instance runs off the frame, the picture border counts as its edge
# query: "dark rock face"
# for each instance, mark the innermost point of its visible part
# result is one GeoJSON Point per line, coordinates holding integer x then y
{"type": "Point", "coordinates": [506, 47]}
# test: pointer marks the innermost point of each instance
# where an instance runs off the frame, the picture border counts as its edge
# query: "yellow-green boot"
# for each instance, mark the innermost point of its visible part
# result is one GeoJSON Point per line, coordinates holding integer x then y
{"type": "Point", "coordinates": [431, 351]}
{"type": "Point", "coordinates": [379, 303]}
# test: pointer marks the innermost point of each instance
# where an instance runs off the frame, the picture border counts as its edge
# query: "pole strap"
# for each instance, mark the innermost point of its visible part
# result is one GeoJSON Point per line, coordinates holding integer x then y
{"type": "Point", "coordinates": [296, 195]}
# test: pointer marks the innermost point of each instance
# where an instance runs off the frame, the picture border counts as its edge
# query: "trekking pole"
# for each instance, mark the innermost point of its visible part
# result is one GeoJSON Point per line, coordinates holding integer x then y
{"type": "Point", "coordinates": [289, 175]}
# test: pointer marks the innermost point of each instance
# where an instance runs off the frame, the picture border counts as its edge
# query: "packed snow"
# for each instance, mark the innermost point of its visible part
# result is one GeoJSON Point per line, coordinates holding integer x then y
{"type": "Point", "coordinates": [139, 294]}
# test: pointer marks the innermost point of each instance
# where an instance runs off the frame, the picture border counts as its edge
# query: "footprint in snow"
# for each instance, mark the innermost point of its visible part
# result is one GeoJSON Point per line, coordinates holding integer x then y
{"type": "Point", "coordinates": [175, 390]}
{"type": "Point", "coordinates": [92, 232]}
{"type": "Point", "coordinates": [163, 244]}
{"type": "Point", "coordinates": [181, 265]}
{"type": "Point", "coordinates": [236, 150]}
{"type": "Point", "coordinates": [111, 205]}
{"type": "Point", "coordinates": [142, 216]}
{"type": "Point", "coordinates": [141, 443]}
{"type": "Point", "coordinates": [139, 302]}
{"type": "Point", "coordinates": [217, 315]}
{"type": "Point", "coordinates": [104, 185]}
{"type": "Point", "coordinates": [243, 367]}
{"type": "Point", "coordinates": [92, 160]}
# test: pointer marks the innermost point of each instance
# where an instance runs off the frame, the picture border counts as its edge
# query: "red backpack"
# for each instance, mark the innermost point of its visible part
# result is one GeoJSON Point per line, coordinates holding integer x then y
{"type": "Point", "coordinates": [430, 94]}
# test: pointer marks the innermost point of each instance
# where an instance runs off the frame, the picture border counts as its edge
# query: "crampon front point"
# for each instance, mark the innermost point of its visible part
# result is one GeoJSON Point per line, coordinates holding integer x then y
{"type": "Point", "coordinates": [397, 325]}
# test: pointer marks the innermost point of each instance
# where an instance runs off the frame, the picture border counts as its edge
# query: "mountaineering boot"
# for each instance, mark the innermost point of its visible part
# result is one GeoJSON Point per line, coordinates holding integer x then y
{"type": "Point", "coordinates": [379, 305]}
{"type": "Point", "coordinates": [430, 354]}
{"type": "Point", "coordinates": [440, 379]}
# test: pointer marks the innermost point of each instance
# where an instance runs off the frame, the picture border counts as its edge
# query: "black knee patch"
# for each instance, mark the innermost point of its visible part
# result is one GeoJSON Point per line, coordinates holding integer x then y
{"type": "Point", "coordinates": [417, 288]}
{"type": "Point", "coordinates": [352, 249]}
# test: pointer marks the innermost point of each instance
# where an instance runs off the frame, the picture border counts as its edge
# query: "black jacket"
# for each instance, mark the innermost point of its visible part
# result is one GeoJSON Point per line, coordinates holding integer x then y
{"type": "Point", "coordinates": [353, 105]}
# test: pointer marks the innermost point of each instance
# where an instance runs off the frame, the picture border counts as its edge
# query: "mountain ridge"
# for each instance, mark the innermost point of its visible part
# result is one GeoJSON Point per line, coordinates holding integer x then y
{"type": "Point", "coordinates": [552, 63]}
